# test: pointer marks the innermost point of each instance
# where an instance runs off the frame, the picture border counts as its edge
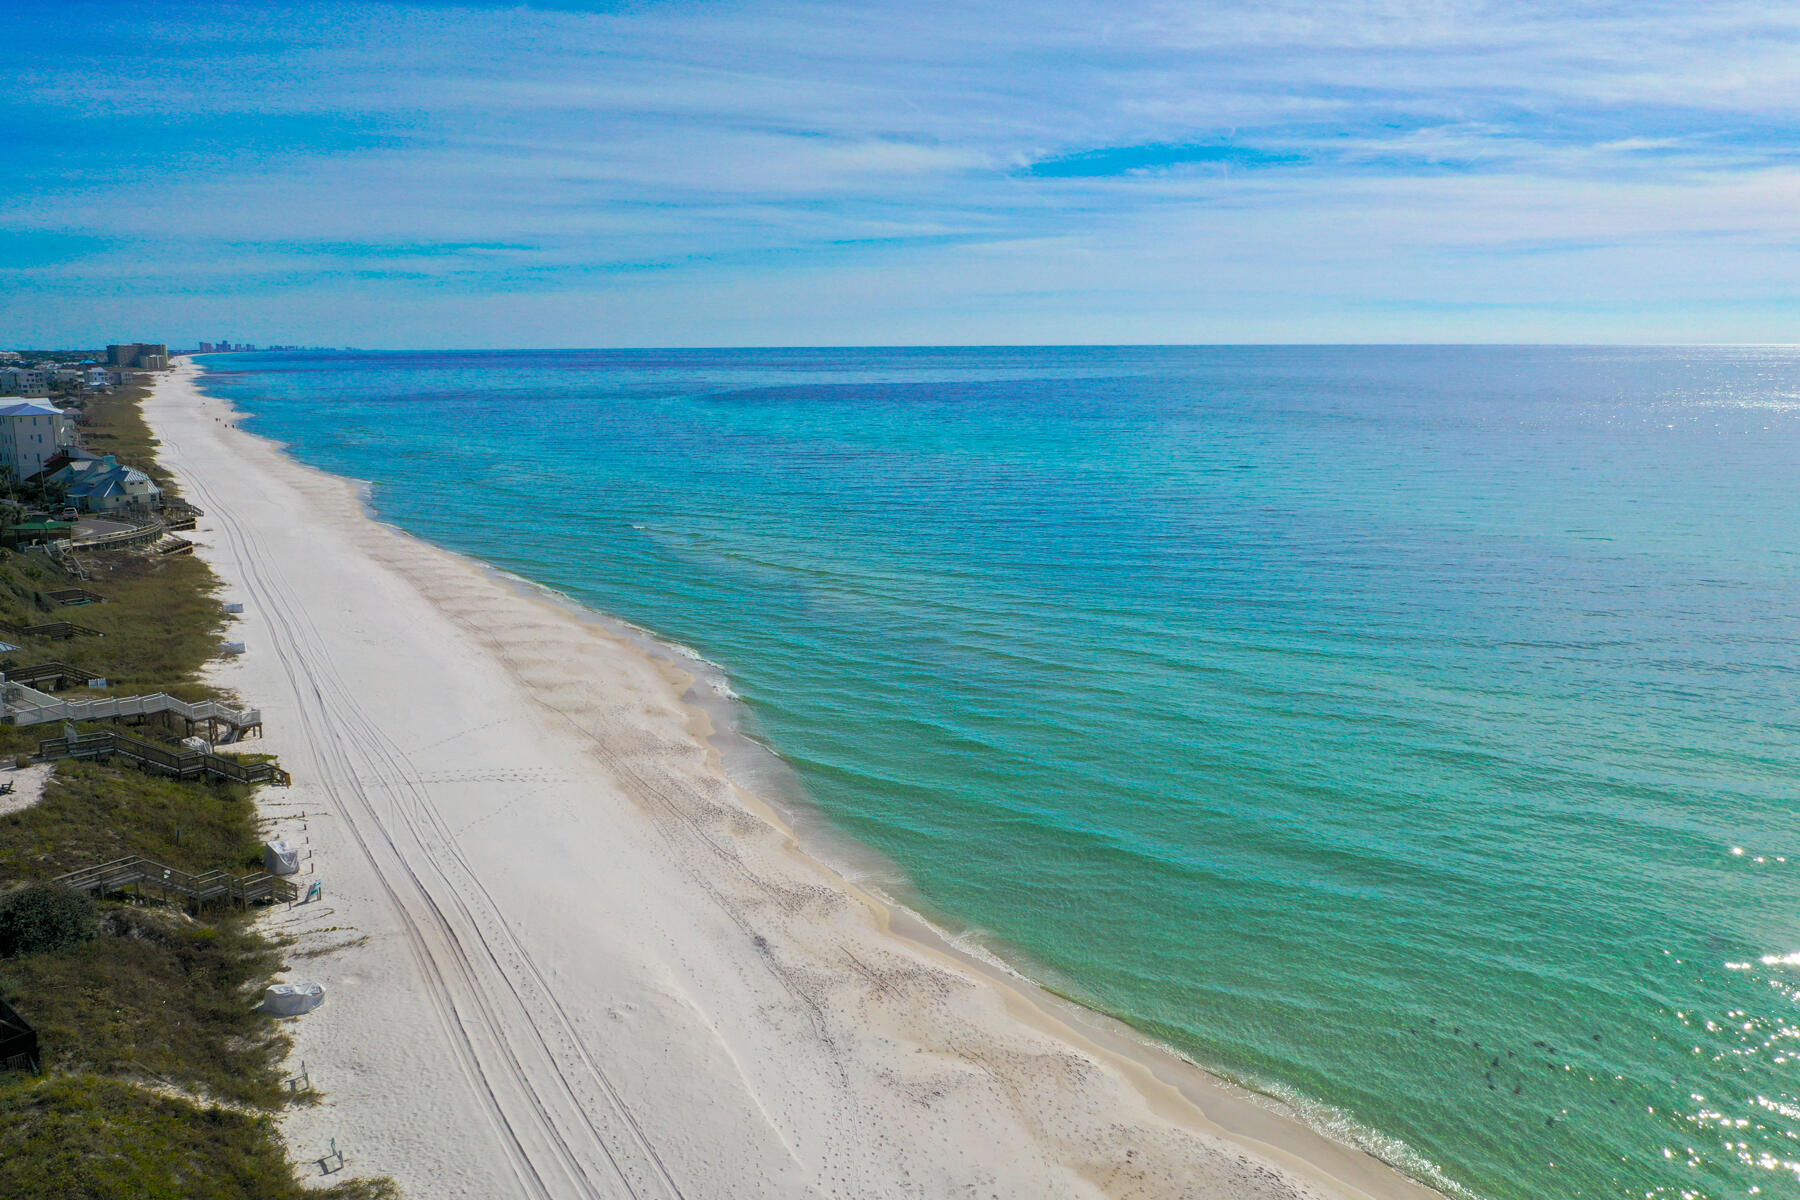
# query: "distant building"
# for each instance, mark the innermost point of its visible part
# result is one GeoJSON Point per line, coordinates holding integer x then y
{"type": "Point", "coordinates": [150, 356]}
{"type": "Point", "coordinates": [105, 485]}
{"type": "Point", "coordinates": [97, 377]}
{"type": "Point", "coordinates": [31, 434]}
{"type": "Point", "coordinates": [23, 381]}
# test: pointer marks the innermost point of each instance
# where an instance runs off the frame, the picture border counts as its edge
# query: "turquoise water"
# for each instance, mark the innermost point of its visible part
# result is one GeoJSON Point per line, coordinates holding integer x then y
{"type": "Point", "coordinates": [1410, 732]}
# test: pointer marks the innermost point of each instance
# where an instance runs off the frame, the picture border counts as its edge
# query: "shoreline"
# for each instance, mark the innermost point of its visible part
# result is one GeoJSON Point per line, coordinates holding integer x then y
{"type": "Point", "coordinates": [1240, 1111]}
{"type": "Point", "coordinates": [809, 981]}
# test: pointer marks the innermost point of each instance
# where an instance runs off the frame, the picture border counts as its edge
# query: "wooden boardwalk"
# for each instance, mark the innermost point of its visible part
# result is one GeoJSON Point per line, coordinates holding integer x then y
{"type": "Point", "coordinates": [24, 705]}
{"type": "Point", "coordinates": [61, 630]}
{"type": "Point", "coordinates": [143, 876]}
{"type": "Point", "coordinates": [51, 675]}
{"type": "Point", "coordinates": [68, 596]}
{"type": "Point", "coordinates": [177, 761]}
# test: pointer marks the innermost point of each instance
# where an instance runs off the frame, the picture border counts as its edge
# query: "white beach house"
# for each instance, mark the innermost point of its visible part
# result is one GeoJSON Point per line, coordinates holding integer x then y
{"type": "Point", "coordinates": [32, 432]}
{"type": "Point", "coordinates": [23, 381]}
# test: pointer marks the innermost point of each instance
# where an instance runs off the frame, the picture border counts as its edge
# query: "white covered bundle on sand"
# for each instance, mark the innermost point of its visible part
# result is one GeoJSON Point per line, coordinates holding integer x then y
{"type": "Point", "coordinates": [293, 999]}
{"type": "Point", "coordinates": [281, 857]}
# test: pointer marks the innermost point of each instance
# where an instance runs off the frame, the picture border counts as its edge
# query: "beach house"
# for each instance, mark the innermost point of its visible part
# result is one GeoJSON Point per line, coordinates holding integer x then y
{"type": "Point", "coordinates": [23, 381]}
{"type": "Point", "coordinates": [32, 432]}
{"type": "Point", "coordinates": [98, 485]}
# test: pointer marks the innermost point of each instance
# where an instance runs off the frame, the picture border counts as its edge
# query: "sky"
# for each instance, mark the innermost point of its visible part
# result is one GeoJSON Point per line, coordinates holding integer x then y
{"type": "Point", "coordinates": [421, 175]}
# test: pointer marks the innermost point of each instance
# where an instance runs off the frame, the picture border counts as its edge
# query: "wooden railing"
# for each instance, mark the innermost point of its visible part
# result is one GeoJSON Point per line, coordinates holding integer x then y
{"type": "Point", "coordinates": [61, 630]}
{"type": "Point", "coordinates": [67, 559]}
{"type": "Point", "coordinates": [144, 529]}
{"type": "Point", "coordinates": [21, 705]}
{"type": "Point", "coordinates": [140, 875]}
{"type": "Point", "coordinates": [178, 761]}
{"type": "Point", "coordinates": [18, 1040]}
{"type": "Point", "coordinates": [67, 596]}
{"type": "Point", "coordinates": [55, 674]}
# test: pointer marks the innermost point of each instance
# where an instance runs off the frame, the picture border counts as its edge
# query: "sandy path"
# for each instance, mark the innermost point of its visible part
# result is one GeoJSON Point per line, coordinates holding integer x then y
{"type": "Point", "coordinates": [566, 957]}
{"type": "Point", "coordinates": [27, 786]}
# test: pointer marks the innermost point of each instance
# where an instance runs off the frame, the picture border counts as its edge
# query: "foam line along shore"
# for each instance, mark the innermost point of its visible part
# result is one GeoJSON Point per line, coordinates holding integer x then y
{"type": "Point", "coordinates": [586, 963]}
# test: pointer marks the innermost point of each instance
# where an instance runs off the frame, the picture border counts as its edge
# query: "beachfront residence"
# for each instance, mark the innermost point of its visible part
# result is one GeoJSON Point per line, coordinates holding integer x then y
{"type": "Point", "coordinates": [64, 457]}
{"type": "Point", "coordinates": [102, 485]}
{"type": "Point", "coordinates": [32, 432]}
{"type": "Point", "coordinates": [23, 381]}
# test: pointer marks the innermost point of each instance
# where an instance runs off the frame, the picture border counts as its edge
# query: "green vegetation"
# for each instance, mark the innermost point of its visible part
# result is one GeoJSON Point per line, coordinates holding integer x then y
{"type": "Point", "coordinates": [95, 812]}
{"type": "Point", "coordinates": [161, 624]}
{"type": "Point", "coordinates": [42, 917]}
{"type": "Point", "coordinates": [116, 426]}
{"type": "Point", "coordinates": [86, 1136]}
{"type": "Point", "coordinates": [159, 996]}
{"type": "Point", "coordinates": [161, 1074]}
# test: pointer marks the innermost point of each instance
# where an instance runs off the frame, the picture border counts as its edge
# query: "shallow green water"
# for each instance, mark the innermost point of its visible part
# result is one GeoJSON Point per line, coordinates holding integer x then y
{"type": "Point", "coordinates": [1410, 732]}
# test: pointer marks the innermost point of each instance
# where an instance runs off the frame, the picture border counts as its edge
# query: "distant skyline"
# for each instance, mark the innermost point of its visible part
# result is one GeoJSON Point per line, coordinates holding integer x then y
{"type": "Point", "coordinates": [643, 174]}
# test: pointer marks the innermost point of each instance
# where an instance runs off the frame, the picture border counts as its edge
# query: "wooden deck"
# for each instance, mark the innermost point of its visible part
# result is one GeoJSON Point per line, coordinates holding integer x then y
{"type": "Point", "coordinates": [51, 676]}
{"type": "Point", "coordinates": [61, 630]}
{"type": "Point", "coordinates": [18, 1041]}
{"type": "Point", "coordinates": [142, 876]}
{"type": "Point", "coordinates": [67, 596]}
{"type": "Point", "coordinates": [21, 704]}
{"type": "Point", "coordinates": [178, 762]}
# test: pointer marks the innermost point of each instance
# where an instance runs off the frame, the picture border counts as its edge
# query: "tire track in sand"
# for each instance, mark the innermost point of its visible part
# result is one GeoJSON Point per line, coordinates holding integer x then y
{"type": "Point", "coordinates": [565, 1128]}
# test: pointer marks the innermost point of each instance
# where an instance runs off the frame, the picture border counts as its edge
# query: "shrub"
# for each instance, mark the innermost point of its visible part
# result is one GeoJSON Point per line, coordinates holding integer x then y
{"type": "Point", "coordinates": [44, 916]}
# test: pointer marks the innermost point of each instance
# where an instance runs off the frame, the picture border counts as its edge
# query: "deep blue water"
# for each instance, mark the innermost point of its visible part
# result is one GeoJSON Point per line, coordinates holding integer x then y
{"type": "Point", "coordinates": [1409, 732]}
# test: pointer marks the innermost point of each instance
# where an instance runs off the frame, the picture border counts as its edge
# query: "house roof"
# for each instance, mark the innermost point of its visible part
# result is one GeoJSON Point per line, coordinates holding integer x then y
{"type": "Point", "coordinates": [63, 457]}
{"type": "Point", "coordinates": [30, 408]}
{"type": "Point", "coordinates": [104, 477]}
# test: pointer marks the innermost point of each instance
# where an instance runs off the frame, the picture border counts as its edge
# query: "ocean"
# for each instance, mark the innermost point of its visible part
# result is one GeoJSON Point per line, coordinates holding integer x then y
{"type": "Point", "coordinates": [1406, 732]}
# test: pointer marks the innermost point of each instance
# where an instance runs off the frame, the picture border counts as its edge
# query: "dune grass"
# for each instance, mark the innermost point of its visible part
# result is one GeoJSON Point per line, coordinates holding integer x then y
{"type": "Point", "coordinates": [94, 812]}
{"type": "Point", "coordinates": [163, 621]}
{"type": "Point", "coordinates": [157, 996]}
{"type": "Point", "coordinates": [115, 425]}
{"type": "Point", "coordinates": [160, 1075]}
{"type": "Point", "coordinates": [78, 1137]}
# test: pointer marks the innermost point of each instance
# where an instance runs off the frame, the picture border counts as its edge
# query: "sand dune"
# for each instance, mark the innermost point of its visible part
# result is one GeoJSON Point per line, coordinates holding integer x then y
{"type": "Point", "coordinates": [565, 956]}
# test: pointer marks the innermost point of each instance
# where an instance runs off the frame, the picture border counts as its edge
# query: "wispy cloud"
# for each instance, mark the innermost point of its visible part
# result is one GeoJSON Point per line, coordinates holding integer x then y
{"type": "Point", "coordinates": [1267, 170]}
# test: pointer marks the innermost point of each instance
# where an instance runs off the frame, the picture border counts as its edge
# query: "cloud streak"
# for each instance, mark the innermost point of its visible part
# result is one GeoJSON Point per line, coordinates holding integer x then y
{"type": "Point", "coordinates": [1268, 171]}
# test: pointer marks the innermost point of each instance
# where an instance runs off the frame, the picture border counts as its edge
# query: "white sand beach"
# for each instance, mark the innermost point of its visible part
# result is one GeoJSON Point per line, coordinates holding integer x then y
{"type": "Point", "coordinates": [565, 956]}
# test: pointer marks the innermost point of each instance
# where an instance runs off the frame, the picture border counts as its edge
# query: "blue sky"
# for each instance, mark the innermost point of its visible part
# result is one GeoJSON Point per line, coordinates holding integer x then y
{"type": "Point", "coordinates": [435, 175]}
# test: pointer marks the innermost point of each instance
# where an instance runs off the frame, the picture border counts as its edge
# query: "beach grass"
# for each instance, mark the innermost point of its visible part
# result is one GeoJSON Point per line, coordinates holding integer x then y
{"type": "Point", "coordinates": [115, 425]}
{"type": "Point", "coordinates": [94, 812]}
{"type": "Point", "coordinates": [161, 997]}
{"type": "Point", "coordinates": [160, 1075]}
{"type": "Point", "coordinates": [64, 1137]}
{"type": "Point", "coordinates": [161, 623]}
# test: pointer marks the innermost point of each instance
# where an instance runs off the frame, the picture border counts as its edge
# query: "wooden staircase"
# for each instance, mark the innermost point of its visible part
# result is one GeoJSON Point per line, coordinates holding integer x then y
{"type": "Point", "coordinates": [140, 875]}
{"type": "Point", "coordinates": [180, 762]}
{"type": "Point", "coordinates": [60, 630]}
